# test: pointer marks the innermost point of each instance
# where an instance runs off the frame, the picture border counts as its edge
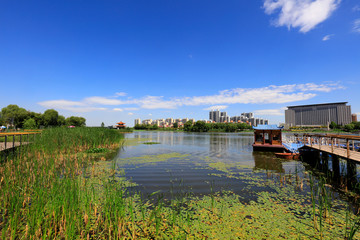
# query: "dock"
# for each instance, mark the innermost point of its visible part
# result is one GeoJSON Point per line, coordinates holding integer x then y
{"type": "Point", "coordinates": [11, 140]}
{"type": "Point", "coordinates": [345, 146]}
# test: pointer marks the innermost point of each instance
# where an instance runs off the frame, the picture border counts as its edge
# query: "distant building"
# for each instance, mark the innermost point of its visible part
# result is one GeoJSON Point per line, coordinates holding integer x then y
{"type": "Point", "coordinates": [137, 121]}
{"type": "Point", "coordinates": [120, 125]}
{"type": "Point", "coordinates": [354, 117]}
{"type": "Point", "coordinates": [318, 114]}
{"type": "Point", "coordinates": [214, 116]}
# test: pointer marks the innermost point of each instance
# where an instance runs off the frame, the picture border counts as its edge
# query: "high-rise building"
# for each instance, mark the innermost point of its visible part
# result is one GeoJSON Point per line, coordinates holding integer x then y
{"type": "Point", "coordinates": [318, 114]}
{"type": "Point", "coordinates": [137, 121]}
{"type": "Point", "coordinates": [354, 117]}
{"type": "Point", "coordinates": [214, 115]}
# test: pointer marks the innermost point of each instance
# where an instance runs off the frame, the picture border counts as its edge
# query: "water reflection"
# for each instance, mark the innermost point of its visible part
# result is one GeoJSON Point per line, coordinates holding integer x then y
{"type": "Point", "coordinates": [211, 157]}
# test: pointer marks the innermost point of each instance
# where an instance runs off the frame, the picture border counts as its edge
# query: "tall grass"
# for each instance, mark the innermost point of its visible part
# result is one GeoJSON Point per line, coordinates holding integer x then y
{"type": "Point", "coordinates": [43, 193]}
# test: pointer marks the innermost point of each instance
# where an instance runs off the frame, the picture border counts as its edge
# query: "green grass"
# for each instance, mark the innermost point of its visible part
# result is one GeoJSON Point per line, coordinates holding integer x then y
{"type": "Point", "coordinates": [151, 143]}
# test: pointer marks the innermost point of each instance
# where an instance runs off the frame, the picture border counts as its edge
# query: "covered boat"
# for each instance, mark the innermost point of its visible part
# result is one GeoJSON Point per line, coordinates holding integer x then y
{"type": "Point", "coordinates": [268, 138]}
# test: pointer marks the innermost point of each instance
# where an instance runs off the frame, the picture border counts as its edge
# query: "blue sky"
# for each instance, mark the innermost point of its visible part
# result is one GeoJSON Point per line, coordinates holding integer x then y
{"type": "Point", "coordinates": [111, 61]}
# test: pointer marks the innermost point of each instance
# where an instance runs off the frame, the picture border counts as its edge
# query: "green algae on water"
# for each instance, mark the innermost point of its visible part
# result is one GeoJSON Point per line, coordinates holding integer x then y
{"type": "Point", "coordinates": [151, 158]}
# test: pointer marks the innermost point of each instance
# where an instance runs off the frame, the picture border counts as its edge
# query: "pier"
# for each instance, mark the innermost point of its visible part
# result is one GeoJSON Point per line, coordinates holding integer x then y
{"type": "Point", "coordinates": [12, 140]}
{"type": "Point", "coordinates": [346, 146]}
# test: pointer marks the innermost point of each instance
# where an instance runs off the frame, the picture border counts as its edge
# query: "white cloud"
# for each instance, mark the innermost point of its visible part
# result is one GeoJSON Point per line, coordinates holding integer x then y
{"type": "Point", "coordinates": [121, 94]}
{"type": "Point", "coordinates": [131, 109]}
{"type": "Point", "coordinates": [356, 25]}
{"type": "Point", "coordinates": [303, 14]}
{"type": "Point", "coordinates": [118, 109]}
{"type": "Point", "coordinates": [220, 107]}
{"type": "Point", "coordinates": [271, 112]}
{"type": "Point", "coordinates": [72, 106]}
{"type": "Point", "coordinates": [103, 101]}
{"type": "Point", "coordinates": [130, 114]}
{"type": "Point", "coordinates": [264, 95]}
{"type": "Point", "coordinates": [327, 37]}
{"type": "Point", "coordinates": [356, 8]}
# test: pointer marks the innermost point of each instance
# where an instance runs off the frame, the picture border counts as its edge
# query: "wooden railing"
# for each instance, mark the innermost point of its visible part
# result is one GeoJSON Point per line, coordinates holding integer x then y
{"type": "Point", "coordinates": [342, 145]}
{"type": "Point", "coordinates": [4, 139]}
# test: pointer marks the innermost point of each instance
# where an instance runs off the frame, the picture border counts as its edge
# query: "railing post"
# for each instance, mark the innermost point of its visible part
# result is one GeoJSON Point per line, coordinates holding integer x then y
{"type": "Point", "coordinates": [353, 145]}
{"type": "Point", "coordinates": [13, 143]}
{"type": "Point", "coordinates": [310, 141]}
{"type": "Point", "coordinates": [5, 141]}
{"type": "Point", "coordinates": [319, 143]}
{"type": "Point", "coordinates": [332, 145]}
{"type": "Point", "coordinates": [347, 148]}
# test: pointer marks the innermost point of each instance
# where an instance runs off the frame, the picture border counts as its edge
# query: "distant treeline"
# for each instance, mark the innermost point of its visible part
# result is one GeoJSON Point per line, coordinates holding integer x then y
{"type": "Point", "coordinates": [200, 126]}
{"type": "Point", "coordinates": [21, 118]}
{"type": "Point", "coordinates": [146, 127]}
{"type": "Point", "coordinates": [354, 126]}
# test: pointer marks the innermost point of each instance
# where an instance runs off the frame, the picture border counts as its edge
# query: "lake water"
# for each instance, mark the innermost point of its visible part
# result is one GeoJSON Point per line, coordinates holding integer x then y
{"type": "Point", "coordinates": [199, 163]}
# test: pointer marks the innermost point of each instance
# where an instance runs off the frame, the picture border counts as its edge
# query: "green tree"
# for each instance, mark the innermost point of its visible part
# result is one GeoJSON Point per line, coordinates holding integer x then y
{"type": "Point", "coordinates": [188, 126]}
{"type": "Point", "coordinates": [175, 125]}
{"type": "Point", "coordinates": [14, 115]}
{"type": "Point", "coordinates": [61, 120]}
{"type": "Point", "coordinates": [349, 127]}
{"type": "Point", "coordinates": [37, 117]}
{"type": "Point", "coordinates": [50, 118]}
{"type": "Point", "coordinates": [357, 125]}
{"type": "Point", "coordinates": [30, 124]}
{"type": "Point", "coordinates": [333, 125]}
{"type": "Point", "coordinates": [230, 127]}
{"type": "Point", "coordinates": [200, 126]}
{"type": "Point", "coordinates": [75, 121]}
{"type": "Point", "coordinates": [102, 124]}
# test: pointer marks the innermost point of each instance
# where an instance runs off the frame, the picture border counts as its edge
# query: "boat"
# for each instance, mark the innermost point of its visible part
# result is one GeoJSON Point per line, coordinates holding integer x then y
{"type": "Point", "coordinates": [268, 138]}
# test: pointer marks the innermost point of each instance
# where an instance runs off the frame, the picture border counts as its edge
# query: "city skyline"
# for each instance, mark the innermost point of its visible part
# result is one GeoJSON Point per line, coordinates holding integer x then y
{"type": "Point", "coordinates": [118, 61]}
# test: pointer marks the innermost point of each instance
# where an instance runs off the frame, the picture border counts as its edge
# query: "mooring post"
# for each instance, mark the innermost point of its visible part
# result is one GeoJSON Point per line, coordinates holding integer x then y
{"type": "Point", "coordinates": [347, 148]}
{"type": "Point", "coordinates": [332, 145]}
{"type": "Point", "coordinates": [335, 167]}
{"type": "Point", "coordinates": [325, 161]}
{"type": "Point", "coordinates": [351, 173]}
{"type": "Point", "coordinates": [320, 143]}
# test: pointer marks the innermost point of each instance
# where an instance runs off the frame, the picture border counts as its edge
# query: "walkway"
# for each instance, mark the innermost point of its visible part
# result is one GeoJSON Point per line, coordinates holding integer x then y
{"type": "Point", "coordinates": [345, 146]}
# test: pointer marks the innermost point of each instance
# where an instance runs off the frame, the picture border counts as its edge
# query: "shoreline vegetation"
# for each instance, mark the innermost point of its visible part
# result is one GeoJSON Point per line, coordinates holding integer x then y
{"type": "Point", "coordinates": [66, 186]}
{"type": "Point", "coordinates": [200, 126]}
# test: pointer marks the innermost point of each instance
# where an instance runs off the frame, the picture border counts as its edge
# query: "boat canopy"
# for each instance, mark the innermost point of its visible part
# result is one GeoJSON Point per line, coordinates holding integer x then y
{"type": "Point", "coordinates": [267, 127]}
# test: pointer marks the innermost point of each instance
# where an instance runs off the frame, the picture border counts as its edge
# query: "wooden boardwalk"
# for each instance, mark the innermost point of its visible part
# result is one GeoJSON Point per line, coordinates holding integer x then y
{"type": "Point", "coordinates": [346, 146]}
{"type": "Point", "coordinates": [11, 140]}
{"type": "Point", "coordinates": [341, 152]}
{"type": "Point", "coordinates": [9, 145]}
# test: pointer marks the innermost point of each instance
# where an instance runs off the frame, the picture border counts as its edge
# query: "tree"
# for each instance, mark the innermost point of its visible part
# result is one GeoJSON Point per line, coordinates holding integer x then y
{"type": "Point", "coordinates": [61, 120]}
{"type": "Point", "coordinates": [50, 118]}
{"type": "Point", "coordinates": [349, 127]}
{"type": "Point", "coordinates": [14, 115]}
{"type": "Point", "coordinates": [175, 125]}
{"type": "Point", "coordinates": [200, 126]}
{"type": "Point", "coordinates": [76, 121]}
{"type": "Point", "coordinates": [37, 118]}
{"type": "Point", "coordinates": [333, 125]}
{"type": "Point", "coordinates": [29, 124]}
{"type": "Point", "coordinates": [102, 124]}
{"type": "Point", "coordinates": [188, 126]}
